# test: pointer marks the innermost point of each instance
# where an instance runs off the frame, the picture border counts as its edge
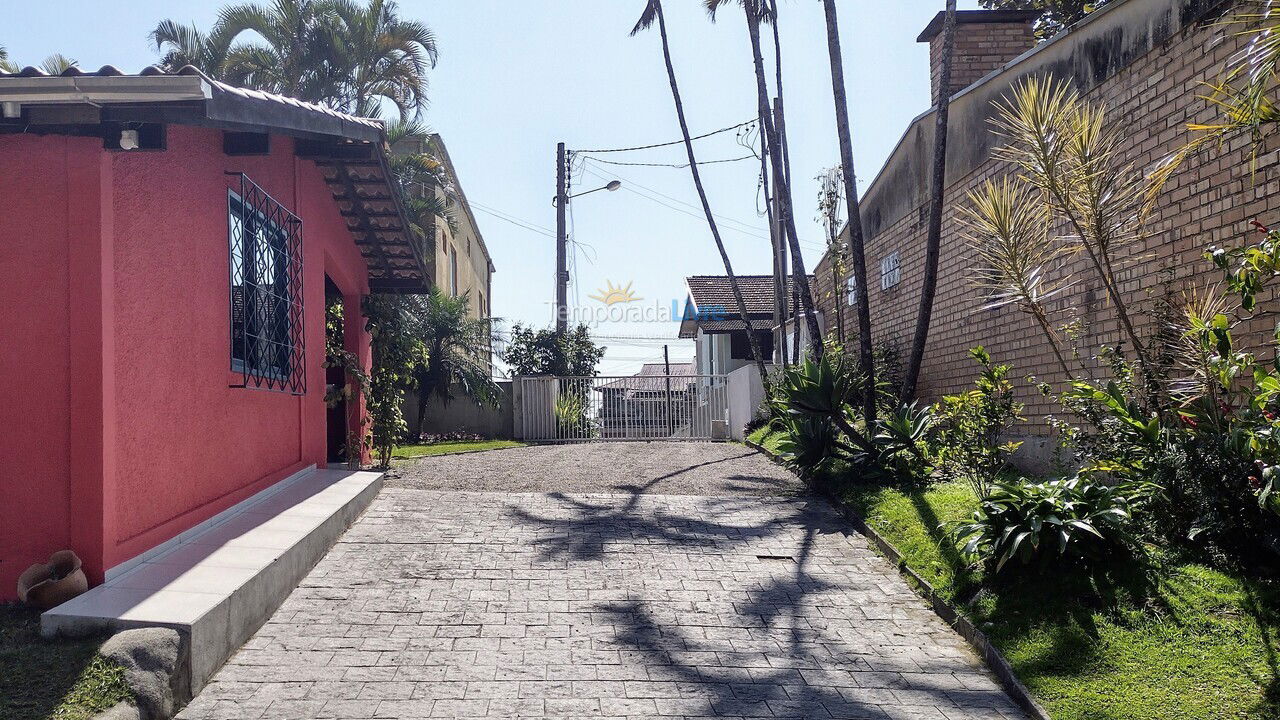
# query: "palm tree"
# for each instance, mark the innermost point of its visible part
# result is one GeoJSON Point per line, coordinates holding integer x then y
{"type": "Point", "coordinates": [54, 64]}
{"type": "Point", "coordinates": [420, 175]}
{"type": "Point", "coordinates": [383, 57]}
{"type": "Point", "coordinates": [181, 45]}
{"type": "Point", "coordinates": [757, 11]}
{"type": "Point", "coordinates": [933, 242]}
{"type": "Point", "coordinates": [335, 52]}
{"type": "Point", "coordinates": [296, 57]}
{"type": "Point", "coordinates": [856, 244]}
{"type": "Point", "coordinates": [454, 344]}
{"type": "Point", "coordinates": [652, 12]}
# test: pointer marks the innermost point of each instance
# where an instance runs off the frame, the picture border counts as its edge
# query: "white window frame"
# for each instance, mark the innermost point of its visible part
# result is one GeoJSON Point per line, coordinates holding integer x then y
{"type": "Point", "coordinates": [890, 270]}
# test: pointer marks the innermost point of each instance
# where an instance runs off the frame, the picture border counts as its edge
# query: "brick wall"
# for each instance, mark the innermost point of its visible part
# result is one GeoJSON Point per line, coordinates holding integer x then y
{"type": "Point", "coordinates": [1142, 59]}
{"type": "Point", "coordinates": [980, 47]}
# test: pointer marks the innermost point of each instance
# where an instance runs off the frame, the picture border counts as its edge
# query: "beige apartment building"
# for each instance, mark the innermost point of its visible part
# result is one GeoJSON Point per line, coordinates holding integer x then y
{"type": "Point", "coordinates": [461, 264]}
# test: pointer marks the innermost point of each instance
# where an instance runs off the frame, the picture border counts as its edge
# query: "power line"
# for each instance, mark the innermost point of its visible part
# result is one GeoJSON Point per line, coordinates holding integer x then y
{"type": "Point", "coordinates": [512, 219]}
{"type": "Point", "coordinates": [749, 231]}
{"type": "Point", "coordinates": [628, 181]}
{"type": "Point", "coordinates": [679, 166]}
{"type": "Point", "coordinates": [673, 142]}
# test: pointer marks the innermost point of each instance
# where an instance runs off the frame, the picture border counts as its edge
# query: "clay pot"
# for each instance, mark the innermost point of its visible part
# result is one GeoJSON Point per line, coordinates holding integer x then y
{"type": "Point", "coordinates": [49, 585]}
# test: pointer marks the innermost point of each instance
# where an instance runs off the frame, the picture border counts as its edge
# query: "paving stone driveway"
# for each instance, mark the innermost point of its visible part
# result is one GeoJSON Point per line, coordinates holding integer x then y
{"type": "Point", "coordinates": [599, 600]}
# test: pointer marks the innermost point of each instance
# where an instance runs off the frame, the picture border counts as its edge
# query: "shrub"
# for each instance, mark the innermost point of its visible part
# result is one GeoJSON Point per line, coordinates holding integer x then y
{"type": "Point", "coordinates": [966, 441]}
{"type": "Point", "coordinates": [1067, 519]}
{"type": "Point", "coordinates": [547, 352]}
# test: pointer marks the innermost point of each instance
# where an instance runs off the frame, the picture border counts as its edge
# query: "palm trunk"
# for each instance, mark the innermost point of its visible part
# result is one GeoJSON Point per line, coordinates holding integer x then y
{"type": "Point", "coordinates": [754, 341]}
{"type": "Point", "coordinates": [933, 243]}
{"type": "Point", "coordinates": [856, 244]}
{"type": "Point", "coordinates": [782, 188]}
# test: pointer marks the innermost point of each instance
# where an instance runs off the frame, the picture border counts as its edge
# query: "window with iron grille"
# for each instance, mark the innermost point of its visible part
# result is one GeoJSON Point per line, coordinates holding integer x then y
{"type": "Point", "coordinates": [851, 290]}
{"type": "Point", "coordinates": [890, 271]}
{"type": "Point", "coordinates": [265, 248]}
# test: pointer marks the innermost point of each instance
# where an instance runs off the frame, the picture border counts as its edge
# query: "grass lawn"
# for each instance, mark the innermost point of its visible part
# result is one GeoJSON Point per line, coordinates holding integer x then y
{"type": "Point", "coordinates": [63, 680]}
{"type": "Point", "coordinates": [405, 452]}
{"type": "Point", "coordinates": [1164, 638]}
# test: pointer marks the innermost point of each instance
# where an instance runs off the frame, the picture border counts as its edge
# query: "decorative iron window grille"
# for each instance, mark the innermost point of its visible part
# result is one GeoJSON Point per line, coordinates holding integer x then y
{"type": "Point", "coordinates": [267, 328]}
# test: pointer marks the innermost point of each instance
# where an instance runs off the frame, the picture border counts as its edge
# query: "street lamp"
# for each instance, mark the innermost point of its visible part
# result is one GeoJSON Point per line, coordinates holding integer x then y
{"type": "Point", "coordinates": [611, 186]}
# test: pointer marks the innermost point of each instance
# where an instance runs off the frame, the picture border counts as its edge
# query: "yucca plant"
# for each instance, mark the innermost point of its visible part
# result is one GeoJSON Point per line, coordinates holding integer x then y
{"type": "Point", "coordinates": [1006, 223]}
{"type": "Point", "coordinates": [807, 441]}
{"type": "Point", "coordinates": [1065, 148]}
{"type": "Point", "coordinates": [1244, 95]}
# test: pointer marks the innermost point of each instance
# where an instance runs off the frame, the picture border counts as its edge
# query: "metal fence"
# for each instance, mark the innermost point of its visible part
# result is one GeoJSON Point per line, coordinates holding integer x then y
{"type": "Point", "coordinates": [647, 407]}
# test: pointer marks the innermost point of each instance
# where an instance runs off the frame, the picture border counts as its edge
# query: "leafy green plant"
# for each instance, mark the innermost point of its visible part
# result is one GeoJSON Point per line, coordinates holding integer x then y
{"type": "Point", "coordinates": [967, 437]}
{"type": "Point", "coordinates": [547, 352]}
{"type": "Point", "coordinates": [397, 349]}
{"type": "Point", "coordinates": [1068, 519]}
{"type": "Point", "coordinates": [456, 354]}
{"type": "Point", "coordinates": [572, 413]}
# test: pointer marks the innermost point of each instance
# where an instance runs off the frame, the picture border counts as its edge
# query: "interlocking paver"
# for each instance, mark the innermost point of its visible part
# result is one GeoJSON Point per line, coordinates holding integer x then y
{"type": "Point", "coordinates": [594, 601]}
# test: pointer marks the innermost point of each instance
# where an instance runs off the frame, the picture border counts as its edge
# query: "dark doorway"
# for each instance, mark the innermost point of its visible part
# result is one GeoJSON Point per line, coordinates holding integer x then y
{"type": "Point", "coordinates": [335, 379]}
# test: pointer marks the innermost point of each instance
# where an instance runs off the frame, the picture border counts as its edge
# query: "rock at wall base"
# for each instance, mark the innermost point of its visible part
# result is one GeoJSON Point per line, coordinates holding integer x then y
{"type": "Point", "coordinates": [154, 661]}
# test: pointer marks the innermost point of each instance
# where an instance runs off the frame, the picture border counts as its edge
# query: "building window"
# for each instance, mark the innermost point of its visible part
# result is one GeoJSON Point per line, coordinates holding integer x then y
{"type": "Point", "coordinates": [480, 306]}
{"type": "Point", "coordinates": [265, 248]}
{"type": "Point", "coordinates": [890, 271]}
{"type": "Point", "coordinates": [453, 272]}
{"type": "Point", "coordinates": [851, 290]}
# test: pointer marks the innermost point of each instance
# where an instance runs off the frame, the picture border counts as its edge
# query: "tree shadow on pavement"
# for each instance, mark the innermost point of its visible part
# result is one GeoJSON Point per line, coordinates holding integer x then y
{"type": "Point", "coordinates": [781, 650]}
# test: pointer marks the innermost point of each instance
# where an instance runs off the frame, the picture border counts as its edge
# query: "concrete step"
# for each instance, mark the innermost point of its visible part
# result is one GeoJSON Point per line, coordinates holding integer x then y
{"type": "Point", "coordinates": [220, 581]}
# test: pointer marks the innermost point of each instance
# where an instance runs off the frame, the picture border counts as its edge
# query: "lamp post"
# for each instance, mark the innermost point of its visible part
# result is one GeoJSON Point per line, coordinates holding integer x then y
{"type": "Point", "coordinates": [561, 201]}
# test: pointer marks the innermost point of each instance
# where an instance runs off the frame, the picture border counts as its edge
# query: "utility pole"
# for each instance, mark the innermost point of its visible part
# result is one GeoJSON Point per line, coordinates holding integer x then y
{"type": "Point", "coordinates": [782, 302]}
{"type": "Point", "coordinates": [666, 370]}
{"type": "Point", "coordinates": [562, 271]}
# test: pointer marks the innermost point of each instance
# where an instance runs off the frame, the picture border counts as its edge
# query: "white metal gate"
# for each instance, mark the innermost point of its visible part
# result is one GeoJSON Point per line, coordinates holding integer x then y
{"type": "Point", "coordinates": [633, 407]}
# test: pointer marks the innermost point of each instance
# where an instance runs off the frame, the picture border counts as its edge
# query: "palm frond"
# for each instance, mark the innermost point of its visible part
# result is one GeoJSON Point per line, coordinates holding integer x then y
{"type": "Point", "coordinates": [57, 63]}
{"type": "Point", "coordinates": [652, 9]}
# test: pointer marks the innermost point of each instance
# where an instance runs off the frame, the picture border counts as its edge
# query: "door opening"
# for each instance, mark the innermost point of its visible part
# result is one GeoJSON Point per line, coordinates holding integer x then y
{"type": "Point", "coordinates": [335, 378]}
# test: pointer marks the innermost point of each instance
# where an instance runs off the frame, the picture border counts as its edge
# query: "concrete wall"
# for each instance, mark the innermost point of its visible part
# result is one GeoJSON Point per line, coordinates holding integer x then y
{"type": "Point", "coordinates": [746, 393]}
{"type": "Point", "coordinates": [464, 415]}
{"type": "Point", "coordinates": [131, 429]}
{"type": "Point", "coordinates": [1145, 61]}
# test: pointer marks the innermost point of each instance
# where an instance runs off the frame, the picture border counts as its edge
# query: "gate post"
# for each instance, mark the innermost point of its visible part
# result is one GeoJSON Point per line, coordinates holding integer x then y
{"type": "Point", "coordinates": [517, 408]}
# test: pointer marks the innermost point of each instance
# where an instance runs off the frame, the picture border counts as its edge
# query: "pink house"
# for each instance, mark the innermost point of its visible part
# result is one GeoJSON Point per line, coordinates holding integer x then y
{"type": "Point", "coordinates": [169, 246]}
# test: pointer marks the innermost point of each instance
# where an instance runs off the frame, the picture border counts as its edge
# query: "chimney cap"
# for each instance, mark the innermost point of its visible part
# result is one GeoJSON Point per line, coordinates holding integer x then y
{"type": "Point", "coordinates": [965, 17]}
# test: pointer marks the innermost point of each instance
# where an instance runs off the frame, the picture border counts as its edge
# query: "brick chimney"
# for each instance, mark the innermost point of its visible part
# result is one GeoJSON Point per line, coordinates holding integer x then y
{"type": "Point", "coordinates": [985, 40]}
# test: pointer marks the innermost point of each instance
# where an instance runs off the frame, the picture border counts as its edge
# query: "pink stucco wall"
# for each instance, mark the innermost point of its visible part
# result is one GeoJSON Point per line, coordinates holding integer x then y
{"type": "Point", "coordinates": [34, 351]}
{"type": "Point", "coordinates": [178, 443]}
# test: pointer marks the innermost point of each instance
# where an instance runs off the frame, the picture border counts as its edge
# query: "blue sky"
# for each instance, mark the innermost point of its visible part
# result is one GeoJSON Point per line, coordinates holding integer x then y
{"type": "Point", "coordinates": [515, 77]}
